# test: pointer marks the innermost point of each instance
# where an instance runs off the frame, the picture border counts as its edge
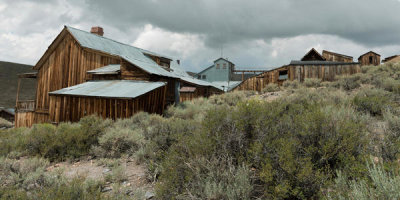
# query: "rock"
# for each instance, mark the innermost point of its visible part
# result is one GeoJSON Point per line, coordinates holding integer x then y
{"type": "Point", "coordinates": [106, 170]}
{"type": "Point", "coordinates": [149, 195]}
{"type": "Point", "coordinates": [106, 189]}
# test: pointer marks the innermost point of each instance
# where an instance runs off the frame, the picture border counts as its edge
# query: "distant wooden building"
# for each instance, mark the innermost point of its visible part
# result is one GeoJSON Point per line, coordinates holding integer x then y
{"type": "Point", "coordinates": [7, 114]}
{"type": "Point", "coordinates": [392, 59]}
{"type": "Point", "coordinates": [313, 55]}
{"type": "Point", "coordinates": [84, 73]}
{"type": "Point", "coordinates": [370, 58]}
{"type": "Point", "coordinates": [312, 65]}
{"type": "Point", "coordinates": [336, 57]}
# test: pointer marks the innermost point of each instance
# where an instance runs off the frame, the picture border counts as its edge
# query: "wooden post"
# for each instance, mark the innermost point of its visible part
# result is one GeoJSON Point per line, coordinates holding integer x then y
{"type": "Point", "coordinates": [16, 101]}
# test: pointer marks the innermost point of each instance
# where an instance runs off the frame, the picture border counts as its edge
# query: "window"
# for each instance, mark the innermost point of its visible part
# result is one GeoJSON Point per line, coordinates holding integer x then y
{"type": "Point", "coordinates": [217, 66]}
{"type": "Point", "coordinates": [204, 76]}
{"type": "Point", "coordinates": [199, 76]}
{"type": "Point", "coordinates": [371, 59]}
{"type": "Point", "coordinates": [224, 67]}
{"type": "Point", "coordinates": [283, 75]}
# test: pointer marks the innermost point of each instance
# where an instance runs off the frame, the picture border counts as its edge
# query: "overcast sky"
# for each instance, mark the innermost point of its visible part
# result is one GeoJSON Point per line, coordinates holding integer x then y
{"type": "Point", "coordinates": [252, 33]}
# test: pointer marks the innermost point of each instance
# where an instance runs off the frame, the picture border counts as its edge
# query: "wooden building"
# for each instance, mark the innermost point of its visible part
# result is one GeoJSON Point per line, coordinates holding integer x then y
{"type": "Point", "coordinates": [7, 114]}
{"type": "Point", "coordinates": [313, 65]}
{"type": "Point", "coordinates": [313, 55]}
{"type": "Point", "coordinates": [336, 57]}
{"type": "Point", "coordinates": [370, 58]}
{"type": "Point", "coordinates": [78, 60]}
{"type": "Point", "coordinates": [392, 59]}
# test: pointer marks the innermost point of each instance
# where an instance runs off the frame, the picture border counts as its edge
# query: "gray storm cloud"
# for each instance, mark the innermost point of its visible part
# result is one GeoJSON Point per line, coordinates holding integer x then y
{"type": "Point", "coordinates": [368, 22]}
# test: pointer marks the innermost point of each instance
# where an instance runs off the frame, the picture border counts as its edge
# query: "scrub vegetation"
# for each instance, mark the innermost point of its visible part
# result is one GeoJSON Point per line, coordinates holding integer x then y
{"type": "Point", "coordinates": [318, 140]}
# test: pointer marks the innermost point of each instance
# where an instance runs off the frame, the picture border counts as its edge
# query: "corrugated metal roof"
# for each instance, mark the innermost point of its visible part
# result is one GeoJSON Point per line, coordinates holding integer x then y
{"type": "Point", "coordinates": [109, 69]}
{"type": "Point", "coordinates": [110, 89]}
{"type": "Point", "coordinates": [226, 85]}
{"type": "Point", "coordinates": [130, 53]}
{"type": "Point", "coordinates": [183, 75]}
{"type": "Point", "coordinates": [317, 62]}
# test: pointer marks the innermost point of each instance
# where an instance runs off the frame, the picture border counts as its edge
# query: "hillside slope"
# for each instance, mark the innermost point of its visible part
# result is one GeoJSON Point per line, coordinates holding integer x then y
{"type": "Point", "coordinates": [9, 83]}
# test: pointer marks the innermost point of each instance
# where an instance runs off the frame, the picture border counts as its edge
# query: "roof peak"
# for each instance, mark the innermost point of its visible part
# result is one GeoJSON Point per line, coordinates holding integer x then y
{"type": "Point", "coordinates": [95, 35]}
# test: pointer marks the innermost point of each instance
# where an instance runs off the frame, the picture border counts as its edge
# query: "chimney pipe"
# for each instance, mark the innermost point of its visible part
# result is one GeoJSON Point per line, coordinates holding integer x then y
{"type": "Point", "coordinates": [178, 61]}
{"type": "Point", "coordinates": [97, 30]}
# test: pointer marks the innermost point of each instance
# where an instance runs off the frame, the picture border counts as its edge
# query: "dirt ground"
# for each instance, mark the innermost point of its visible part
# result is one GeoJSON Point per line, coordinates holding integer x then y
{"type": "Point", "coordinates": [135, 174]}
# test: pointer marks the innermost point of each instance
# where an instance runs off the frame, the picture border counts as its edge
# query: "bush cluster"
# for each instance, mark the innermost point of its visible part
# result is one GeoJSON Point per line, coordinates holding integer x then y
{"type": "Point", "coordinates": [65, 141]}
{"type": "Point", "coordinates": [292, 146]}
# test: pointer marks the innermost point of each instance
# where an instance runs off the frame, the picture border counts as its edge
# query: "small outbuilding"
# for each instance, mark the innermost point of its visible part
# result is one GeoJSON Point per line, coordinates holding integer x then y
{"type": "Point", "coordinates": [392, 59]}
{"type": "Point", "coordinates": [7, 114]}
{"type": "Point", "coordinates": [370, 58]}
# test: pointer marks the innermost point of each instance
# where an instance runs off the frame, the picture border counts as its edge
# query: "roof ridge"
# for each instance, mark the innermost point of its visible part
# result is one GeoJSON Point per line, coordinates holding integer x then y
{"type": "Point", "coordinates": [140, 49]}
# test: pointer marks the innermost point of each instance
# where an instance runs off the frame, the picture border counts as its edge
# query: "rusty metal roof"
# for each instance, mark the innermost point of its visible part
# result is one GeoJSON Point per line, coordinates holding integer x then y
{"type": "Point", "coordinates": [110, 89]}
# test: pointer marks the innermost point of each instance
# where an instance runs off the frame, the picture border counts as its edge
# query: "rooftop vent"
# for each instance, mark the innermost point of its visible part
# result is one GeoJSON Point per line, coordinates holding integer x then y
{"type": "Point", "coordinates": [97, 30]}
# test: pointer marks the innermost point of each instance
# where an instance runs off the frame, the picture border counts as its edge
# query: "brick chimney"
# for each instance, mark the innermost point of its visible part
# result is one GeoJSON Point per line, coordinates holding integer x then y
{"type": "Point", "coordinates": [97, 30]}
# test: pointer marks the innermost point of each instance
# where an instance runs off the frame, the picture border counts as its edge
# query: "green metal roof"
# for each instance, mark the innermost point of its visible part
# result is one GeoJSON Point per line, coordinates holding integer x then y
{"type": "Point", "coordinates": [134, 55]}
{"type": "Point", "coordinates": [110, 89]}
{"type": "Point", "coordinates": [109, 69]}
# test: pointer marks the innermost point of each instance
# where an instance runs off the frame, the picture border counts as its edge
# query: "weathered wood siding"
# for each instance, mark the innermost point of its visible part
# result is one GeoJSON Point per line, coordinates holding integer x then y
{"type": "Point", "coordinates": [73, 108]}
{"type": "Point", "coordinates": [131, 72]}
{"type": "Point", "coordinates": [330, 56]}
{"type": "Point", "coordinates": [66, 66]}
{"type": "Point", "coordinates": [24, 119]}
{"type": "Point", "coordinates": [365, 59]}
{"type": "Point", "coordinates": [187, 96]}
{"type": "Point", "coordinates": [298, 72]}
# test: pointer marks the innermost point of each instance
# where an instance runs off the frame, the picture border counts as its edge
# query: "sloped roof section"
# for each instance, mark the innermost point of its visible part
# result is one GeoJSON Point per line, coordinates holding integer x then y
{"type": "Point", "coordinates": [109, 69]}
{"type": "Point", "coordinates": [184, 76]}
{"type": "Point", "coordinates": [317, 62]}
{"type": "Point", "coordinates": [313, 55]}
{"type": "Point", "coordinates": [134, 55]}
{"type": "Point", "coordinates": [368, 53]}
{"type": "Point", "coordinates": [125, 89]}
{"type": "Point", "coordinates": [226, 85]}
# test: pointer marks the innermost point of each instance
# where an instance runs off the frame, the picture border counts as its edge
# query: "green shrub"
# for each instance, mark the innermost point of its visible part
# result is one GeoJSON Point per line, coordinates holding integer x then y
{"type": "Point", "coordinates": [391, 85]}
{"type": "Point", "coordinates": [118, 141]}
{"type": "Point", "coordinates": [291, 84]}
{"type": "Point", "coordinates": [77, 188]}
{"type": "Point", "coordinates": [5, 124]}
{"type": "Point", "coordinates": [381, 185]}
{"type": "Point", "coordinates": [54, 142]}
{"type": "Point", "coordinates": [294, 146]}
{"type": "Point", "coordinates": [372, 101]}
{"type": "Point", "coordinates": [271, 88]}
{"type": "Point", "coordinates": [312, 82]}
{"type": "Point", "coordinates": [348, 82]}
{"type": "Point", "coordinates": [391, 141]}
{"type": "Point", "coordinates": [24, 173]}
{"type": "Point", "coordinates": [231, 98]}
{"type": "Point", "coordinates": [117, 174]}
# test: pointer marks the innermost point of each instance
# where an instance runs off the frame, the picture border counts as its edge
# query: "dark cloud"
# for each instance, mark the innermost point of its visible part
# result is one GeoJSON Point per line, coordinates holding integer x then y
{"type": "Point", "coordinates": [368, 22]}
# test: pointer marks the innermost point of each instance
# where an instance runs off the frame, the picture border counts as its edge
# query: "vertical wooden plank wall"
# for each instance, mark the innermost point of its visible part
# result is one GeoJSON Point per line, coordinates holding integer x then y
{"type": "Point", "coordinates": [73, 108]}
{"type": "Point", "coordinates": [24, 119]}
{"type": "Point", "coordinates": [298, 72]}
{"type": "Point", "coordinates": [364, 59]}
{"type": "Point", "coordinates": [66, 66]}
